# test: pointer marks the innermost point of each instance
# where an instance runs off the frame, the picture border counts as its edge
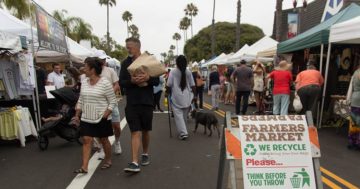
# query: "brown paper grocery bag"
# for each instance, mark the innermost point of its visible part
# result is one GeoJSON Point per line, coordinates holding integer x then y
{"type": "Point", "coordinates": [148, 64]}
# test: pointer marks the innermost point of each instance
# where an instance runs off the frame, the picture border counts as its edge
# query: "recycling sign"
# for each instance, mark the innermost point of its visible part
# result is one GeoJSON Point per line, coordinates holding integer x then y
{"type": "Point", "coordinates": [250, 150]}
{"type": "Point", "coordinates": [276, 152]}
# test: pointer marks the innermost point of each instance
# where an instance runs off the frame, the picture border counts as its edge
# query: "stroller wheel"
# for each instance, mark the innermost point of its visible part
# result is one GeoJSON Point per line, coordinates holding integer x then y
{"type": "Point", "coordinates": [43, 142]}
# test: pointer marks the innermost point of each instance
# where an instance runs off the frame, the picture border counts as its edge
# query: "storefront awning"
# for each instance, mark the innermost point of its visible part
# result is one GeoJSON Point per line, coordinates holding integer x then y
{"type": "Point", "coordinates": [319, 34]}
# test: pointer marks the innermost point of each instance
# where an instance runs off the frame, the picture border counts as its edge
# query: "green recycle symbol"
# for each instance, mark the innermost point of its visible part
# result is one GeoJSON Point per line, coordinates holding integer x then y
{"type": "Point", "coordinates": [250, 149]}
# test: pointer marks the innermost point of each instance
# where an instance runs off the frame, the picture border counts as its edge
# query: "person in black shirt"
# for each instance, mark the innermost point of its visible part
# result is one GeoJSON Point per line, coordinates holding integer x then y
{"type": "Point", "coordinates": [214, 86]}
{"type": "Point", "coordinates": [139, 105]}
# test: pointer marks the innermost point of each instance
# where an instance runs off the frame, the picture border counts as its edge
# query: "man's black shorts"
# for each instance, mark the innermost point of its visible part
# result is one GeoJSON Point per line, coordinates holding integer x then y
{"type": "Point", "coordinates": [139, 117]}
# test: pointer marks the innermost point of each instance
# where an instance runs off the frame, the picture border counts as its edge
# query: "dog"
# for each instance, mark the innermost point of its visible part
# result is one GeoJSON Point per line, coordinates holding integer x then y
{"type": "Point", "coordinates": [207, 119]}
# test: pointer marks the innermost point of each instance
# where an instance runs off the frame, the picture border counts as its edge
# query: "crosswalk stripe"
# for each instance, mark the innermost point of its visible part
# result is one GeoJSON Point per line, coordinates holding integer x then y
{"type": "Point", "coordinates": [81, 180]}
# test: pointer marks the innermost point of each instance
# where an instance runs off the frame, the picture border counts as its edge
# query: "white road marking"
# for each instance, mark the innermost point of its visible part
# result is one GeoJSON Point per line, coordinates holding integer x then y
{"type": "Point", "coordinates": [81, 180]}
{"type": "Point", "coordinates": [164, 112]}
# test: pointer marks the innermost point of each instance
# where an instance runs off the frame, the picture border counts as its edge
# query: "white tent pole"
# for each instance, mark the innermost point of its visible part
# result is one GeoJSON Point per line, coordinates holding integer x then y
{"type": "Point", "coordinates": [325, 83]}
{"type": "Point", "coordinates": [36, 103]}
{"type": "Point", "coordinates": [321, 57]}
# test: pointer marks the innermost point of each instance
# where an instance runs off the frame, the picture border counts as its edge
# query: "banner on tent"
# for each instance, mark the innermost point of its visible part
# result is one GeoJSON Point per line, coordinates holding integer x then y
{"type": "Point", "coordinates": [51, 34]}
{"type": "Point", "coordinates": [292, 25]}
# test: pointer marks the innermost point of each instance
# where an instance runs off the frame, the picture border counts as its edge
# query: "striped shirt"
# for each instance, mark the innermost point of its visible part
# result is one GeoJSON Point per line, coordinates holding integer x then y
{"type": "Point", "coordinates": [94, 100]}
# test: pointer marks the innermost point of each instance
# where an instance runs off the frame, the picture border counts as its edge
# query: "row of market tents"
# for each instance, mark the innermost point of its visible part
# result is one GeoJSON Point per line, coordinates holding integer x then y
{"type": "Point", "coordinates": [262, 50]}
{"type": "Point", "coordinates": [12, 26]}
{"type": "Point", "coordinates": [342, 28]}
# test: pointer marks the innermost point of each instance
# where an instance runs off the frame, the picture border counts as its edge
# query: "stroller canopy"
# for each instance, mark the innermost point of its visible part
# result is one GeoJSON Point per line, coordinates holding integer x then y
{"type": "Point", "coordinates": [66, 95]}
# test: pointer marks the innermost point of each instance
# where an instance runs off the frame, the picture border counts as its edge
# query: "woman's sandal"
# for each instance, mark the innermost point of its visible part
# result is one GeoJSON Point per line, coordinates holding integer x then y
{"type": "Point", "coordinates": [80, 171]}
{"type": "Point", "coordinates": [106, 166]}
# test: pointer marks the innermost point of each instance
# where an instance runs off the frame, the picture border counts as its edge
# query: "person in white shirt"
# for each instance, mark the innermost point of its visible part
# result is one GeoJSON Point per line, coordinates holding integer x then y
{"type": "Point", "coordinates": [55, 77]}
{"type": "Point", "coordinates": [110, 75]}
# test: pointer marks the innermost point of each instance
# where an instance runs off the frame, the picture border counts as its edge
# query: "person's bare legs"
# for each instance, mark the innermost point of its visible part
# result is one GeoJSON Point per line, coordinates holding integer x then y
{"type": "Point", "coordinates": [117, 130]}
{"type": "Point", "coordinates": [86, 149]}
{"type": "Point", "coordinates": [145, 141]}
{"type": "Point", "coordinates": [135, 145]}
{"type": "Point", "coordinates": [107, 149]}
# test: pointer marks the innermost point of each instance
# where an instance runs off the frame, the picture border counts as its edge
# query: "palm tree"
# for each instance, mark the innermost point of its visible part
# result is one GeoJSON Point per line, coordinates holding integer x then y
{"type": "Point", "coordinates": [177, 37]}
{"type": "Point", "coordinates": [191, 10]}
{"type": "Point", "coordinates": [127, 16]}
{"type": "Point", "coordinates": [237, 46]}
{"type": "Point", "coordinates": [134, 31]}
{"type": "Point", "coordinates": [184, 25]}
{"type": "Point", "coordinates": [172, 47]}
{"type": "Point", "coordinates": [82, 30]}
{"type": "Point", "coordinates": [20, 8]}
{"type": "Point", "coordinates": [163, 55]}
{"type": "Point", "coordinates": [108, 3]}
{"type": "Point", "coordinates": [67, 22]}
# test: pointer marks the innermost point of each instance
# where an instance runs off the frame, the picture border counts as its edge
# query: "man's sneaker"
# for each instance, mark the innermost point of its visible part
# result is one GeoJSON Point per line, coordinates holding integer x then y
{"type": "Point", "coordinates": [132, 168]}
{"type": "Point", "coordinates": [145, 159]}
{"type": "Point", "coordinates": [183, 137]}
{"type": "Point", "coordinates": [101, 154]}
{"type": "Point", "coordinates": [117, 148]}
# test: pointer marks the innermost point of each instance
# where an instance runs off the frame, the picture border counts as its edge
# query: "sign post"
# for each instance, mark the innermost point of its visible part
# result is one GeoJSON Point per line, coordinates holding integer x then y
{"type": "Point", "coordinates": [276, 152]}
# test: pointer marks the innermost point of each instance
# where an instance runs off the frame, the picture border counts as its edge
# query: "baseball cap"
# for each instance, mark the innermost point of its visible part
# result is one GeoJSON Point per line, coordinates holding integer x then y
{"type": "Point", "coordinates": [101, 54]}
{"type": "Point", "coordinates": [242, 62]}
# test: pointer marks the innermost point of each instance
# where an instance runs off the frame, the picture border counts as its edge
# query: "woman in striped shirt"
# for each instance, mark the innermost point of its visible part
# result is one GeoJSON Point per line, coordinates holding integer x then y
{"type": "Point", "coordinates": [95, 104]}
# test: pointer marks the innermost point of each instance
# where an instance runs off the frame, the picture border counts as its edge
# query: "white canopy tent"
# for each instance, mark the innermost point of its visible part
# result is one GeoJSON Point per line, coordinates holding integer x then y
{"type": "Point", "coordinates": [224, 60]}
{"type": "Point", "coordinates": [271, 52]}
{"type": "Point", "coordinates": [238, 54]}
{"type": "Point", "coordinates": [10, 41]}
{"type": "Point", "coordinates": [17, 27]}
{"type": "Point", "coordinates": [347, 32]}
{"type": "Point", "coordinates": [214, 60]}
{"type": "Point", "coordinates": [250, 54]}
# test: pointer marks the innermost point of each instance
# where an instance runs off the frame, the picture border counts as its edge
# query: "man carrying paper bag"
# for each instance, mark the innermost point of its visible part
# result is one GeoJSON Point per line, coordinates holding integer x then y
{"type": "Point", "coordinates": [146, 64]}
{"type": "Point", "coordinates": [138, 84]}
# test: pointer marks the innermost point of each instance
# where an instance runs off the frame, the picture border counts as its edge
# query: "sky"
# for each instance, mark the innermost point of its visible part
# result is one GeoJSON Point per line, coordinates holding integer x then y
{"type": "Point", "coordinates": [158, 20]}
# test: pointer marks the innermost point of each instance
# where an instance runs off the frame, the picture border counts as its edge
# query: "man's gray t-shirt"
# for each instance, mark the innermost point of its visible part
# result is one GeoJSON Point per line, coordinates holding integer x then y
{"type": "Point", "coordinates": [181, 99]}
{"type": "Point", "coordinates": [244, 76]}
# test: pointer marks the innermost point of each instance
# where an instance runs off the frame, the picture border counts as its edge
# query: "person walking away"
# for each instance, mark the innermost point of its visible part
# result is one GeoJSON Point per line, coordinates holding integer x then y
{"type": "Point", "coordinates": [214, 86]}
{"type": "Point", "coordinates": [199, 82]}
{"type": "Point", "coordinates": [282, 78]}
{"type": "Point", "coordinates": [56, 78]}
{"type": "Point", "coordinates": [157, 94]}
{"type": "Point", "coordinates": [354, 131]}
{"type": "Point", "coordinates": [139, 106]}
{"type": "Point", "coordinates": [308, 87]}
{"type": "Point", "coordinates": [182, 89]}
{"type": "Point", "coordinates": [243, 77]}
{"type": "Point", "coordinates": [111, 76]}
{"type": "Point", "coordinates": [259, 86]}
{"type": "Point", "coordinates": [95, 104]}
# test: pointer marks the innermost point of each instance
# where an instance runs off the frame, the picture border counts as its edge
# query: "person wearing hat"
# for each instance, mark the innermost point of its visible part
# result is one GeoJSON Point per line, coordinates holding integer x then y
{"type": "Point", "coordinates": [111, 76]}
{"type": "Point", "coordinates": [214, 86]}
{"type": "Point", "coordinates": [282, 78]}
{"type": "Point", "coordinates": [243, 77]}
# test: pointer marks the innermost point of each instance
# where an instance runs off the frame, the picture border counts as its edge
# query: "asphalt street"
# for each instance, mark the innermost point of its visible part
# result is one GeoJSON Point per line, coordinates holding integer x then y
{"type": "Point", "coordinates": [174, 163]}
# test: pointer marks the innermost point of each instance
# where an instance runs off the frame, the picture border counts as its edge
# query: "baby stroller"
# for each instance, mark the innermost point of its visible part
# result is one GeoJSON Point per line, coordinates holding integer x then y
{"type": "Point", "coordinates": [61, 126]}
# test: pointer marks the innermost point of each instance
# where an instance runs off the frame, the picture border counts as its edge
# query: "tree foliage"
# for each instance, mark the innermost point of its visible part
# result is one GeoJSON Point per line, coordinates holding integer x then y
{"type": "Point", "coordinates": [199, 47]}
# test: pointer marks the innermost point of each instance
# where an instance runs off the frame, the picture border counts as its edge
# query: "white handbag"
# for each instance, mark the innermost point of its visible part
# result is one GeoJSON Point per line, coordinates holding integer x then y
{"type": "Point", "coordinates": [297, 103]}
